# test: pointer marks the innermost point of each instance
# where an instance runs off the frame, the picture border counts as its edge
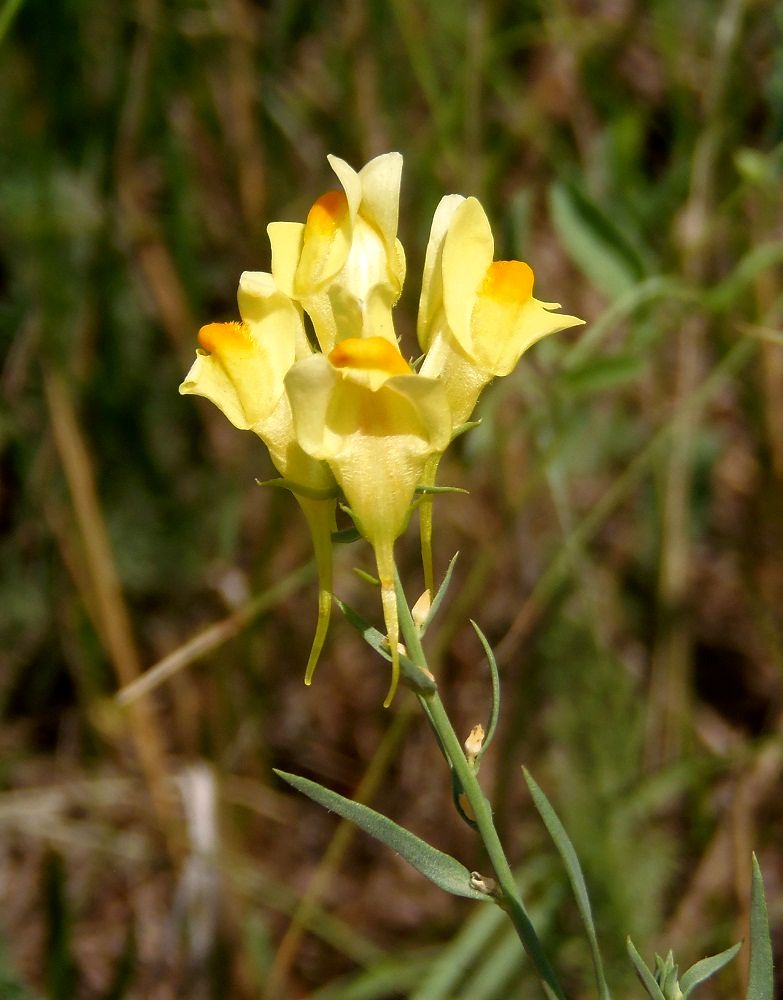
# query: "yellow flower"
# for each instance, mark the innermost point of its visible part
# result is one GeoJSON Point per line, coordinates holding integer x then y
{"type": "Point", "coordinates": [477, 317]}
{"type": "Point", "coordinates": [345, 264]}
{"type": "Point", "coordinates": [376, 423]}
{"type": "Point", "coordinates": [241, 368]}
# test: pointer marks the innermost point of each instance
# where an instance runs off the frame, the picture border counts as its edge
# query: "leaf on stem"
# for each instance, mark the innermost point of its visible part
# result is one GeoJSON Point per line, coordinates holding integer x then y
{"type": "Point", "coordinates": [495, 710]}
{"type": "Point", "coordinates": [705, 968]}
{"type": "Point", "coordinates": [646, 978]}
{"type": "Point", "coordinates": [446, 872]}
{"type": "Point", "coordinates": [438, 598]}
{"type": "Point", "coordinates": [761, 978]}
{"type": "Point", "coordinates": [412, 675]}
{"type": "Point", "coordinates": [576, 878]}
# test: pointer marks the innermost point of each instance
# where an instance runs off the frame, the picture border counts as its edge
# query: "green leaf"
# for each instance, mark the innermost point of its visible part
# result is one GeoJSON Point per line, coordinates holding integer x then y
{"type": "Point", "coordinates": [495, 710]}
{"type": "Point", "coordinates": [576, 878]}
{"type": "Point", "coordinates": [346, 535]}
{"type": "Point", "coordinates": [705, 968]}
{"type": "Point", "coordinates": [761, 978]}
{"type": "Point", "coordinates": [438, 599]}
{"type": "Point", "coordinates": [646, 977]}
{"type": "Point", "coordinates": [304, 491]}
{"type": "Point", "coordinates": [593, 241]}
{"type": "Point", "coordinates": [446, 872]}
{"type": "Point", "coordinates": [413, 676]}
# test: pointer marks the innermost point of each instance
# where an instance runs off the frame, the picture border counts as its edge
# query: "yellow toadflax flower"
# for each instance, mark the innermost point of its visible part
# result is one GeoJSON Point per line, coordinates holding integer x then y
{"type": "Point", "coordinates": [477, 316]}
{"type": "Point", "coordinates": [241, 368]}
{"type": "Point", "coordinates": [376, 423]}
{"type": "Point", "coordinates": [345, 265]}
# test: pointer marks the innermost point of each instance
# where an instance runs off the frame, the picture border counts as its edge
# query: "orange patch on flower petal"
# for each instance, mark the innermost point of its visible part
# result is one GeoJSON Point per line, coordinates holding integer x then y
{"type": "Point", "coordinates": [327, 213]}
{"type": "Point", "coordinates": [507, 281]}
{"type": "Point", "coordinates": [368, 353]}
{"type": "Point", "coordinates": [225, 338]}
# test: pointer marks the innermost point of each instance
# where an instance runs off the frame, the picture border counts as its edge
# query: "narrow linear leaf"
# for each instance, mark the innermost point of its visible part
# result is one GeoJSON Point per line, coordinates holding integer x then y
{"type": "Point", "coordinates": [495, 710]}
{"type": "Point", "coordinates": [304, 491]}
{"type": "Point", "coordinates": [417, 678]}
{"type": "Point", "coordinates": [705, 968]}
{"type": "Point", "coordinates": [646, 978]}
{"type": "Point", "coordinates": [761, 978]}
{"type": "Point", "coordinates": [438, 598]}
{"type": "Point", "coordinates": [576, 878]}
{"type": "Point", "coordinates": [446, 872]}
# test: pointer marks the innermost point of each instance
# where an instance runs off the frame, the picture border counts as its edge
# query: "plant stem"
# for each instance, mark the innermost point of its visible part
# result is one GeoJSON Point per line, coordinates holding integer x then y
{"type": "Point", "coordinates": [435, 711]}
{"type": "Point", "coordinates": [482, 811]}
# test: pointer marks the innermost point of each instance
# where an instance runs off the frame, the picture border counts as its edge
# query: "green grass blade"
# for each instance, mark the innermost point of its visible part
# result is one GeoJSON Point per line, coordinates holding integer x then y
{"type": "Point", "coordinates": [446, 872]}
{"type": "Point", "coordinates": [576, 878]}
{"type": "Point", "coordinates": [646, 978]}
{"type": "Point", "coordinates": [593, 241]}
{"type": "Point", "coordinates": [761, 978]}
{"type": "Point", "coordinates": [705, 968]}
{"type": "Point", "coordinates": [8, 12]}
{"type": "Point", "coordinates": [385, 979]}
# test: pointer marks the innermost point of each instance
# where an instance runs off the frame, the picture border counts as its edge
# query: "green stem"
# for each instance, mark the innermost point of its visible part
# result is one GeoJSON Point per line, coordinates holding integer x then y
{"type": "Point", "coordinates": [510, 899]}
{"type": "Point", "coordinates": [482, 812]}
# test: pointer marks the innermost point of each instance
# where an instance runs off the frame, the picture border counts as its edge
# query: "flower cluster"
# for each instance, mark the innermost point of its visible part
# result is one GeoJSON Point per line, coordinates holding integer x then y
{"type": "Point", "coordinates": [344, 415]}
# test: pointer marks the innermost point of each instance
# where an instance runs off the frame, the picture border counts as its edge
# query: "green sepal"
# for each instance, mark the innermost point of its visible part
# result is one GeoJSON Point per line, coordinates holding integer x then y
{"type": "Point", "coordinates": [495, 709]}
{"type": "Point", "coordinates": [367, 577]}
{"type": "Point", "coordinates": [761, 977]}
{"type": "Point", "coordinates": [461, 429]}
{"type": "Point", "coordinates": [646, 978]}
{"type": "Point", "coordinates": [280, 483]}
{"type": "Point", "coordinates": [705, 968]}
{"type": "Point", "coordinates": [575, 877]}
{"type": "Point", "coordinates": [427, 490]}
{"type": "Point", "coordinates": [346, 535]}
{"type": "Point", "coordinates": [414, 677]}
{"type": "Point", "coordinates": [446, 872]}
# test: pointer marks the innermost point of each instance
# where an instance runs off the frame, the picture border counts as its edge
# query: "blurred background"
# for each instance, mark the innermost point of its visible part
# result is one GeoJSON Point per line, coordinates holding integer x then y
{"type": "Point", "coordinates": [620, 544]}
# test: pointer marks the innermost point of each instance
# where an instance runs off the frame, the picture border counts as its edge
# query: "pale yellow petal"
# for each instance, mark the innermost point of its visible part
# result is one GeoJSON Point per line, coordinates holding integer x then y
{"type": "Point", "coordinates": [431, 300]}
{"type": "Point", "coordinates": [378, 320]}
{"type": "Point", "coordinates": [462, 379]}
{"type": "Point", "coordinates": [468, 249]}
{"type": "Point", "coordinates": [380, 181]}
{"type": "Point", "coordinates": [350, 181]}
{"type": "Point", "coordinates": [309, 385]}
{"type": "Point", "coordinates": [241, 377]}
{"type": "Point", "coordinates": [259, 295]}
{"type": "Point", "coordinates": [531, 322]}
{"type": "Point", "coordinates": [326, 243]}
{"type": "Point", "coordinates": [286, 240]}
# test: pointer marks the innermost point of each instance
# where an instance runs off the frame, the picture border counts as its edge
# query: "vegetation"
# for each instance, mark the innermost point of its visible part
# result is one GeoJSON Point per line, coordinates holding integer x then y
{"type": "Point", "coordinates": [619, 545]}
